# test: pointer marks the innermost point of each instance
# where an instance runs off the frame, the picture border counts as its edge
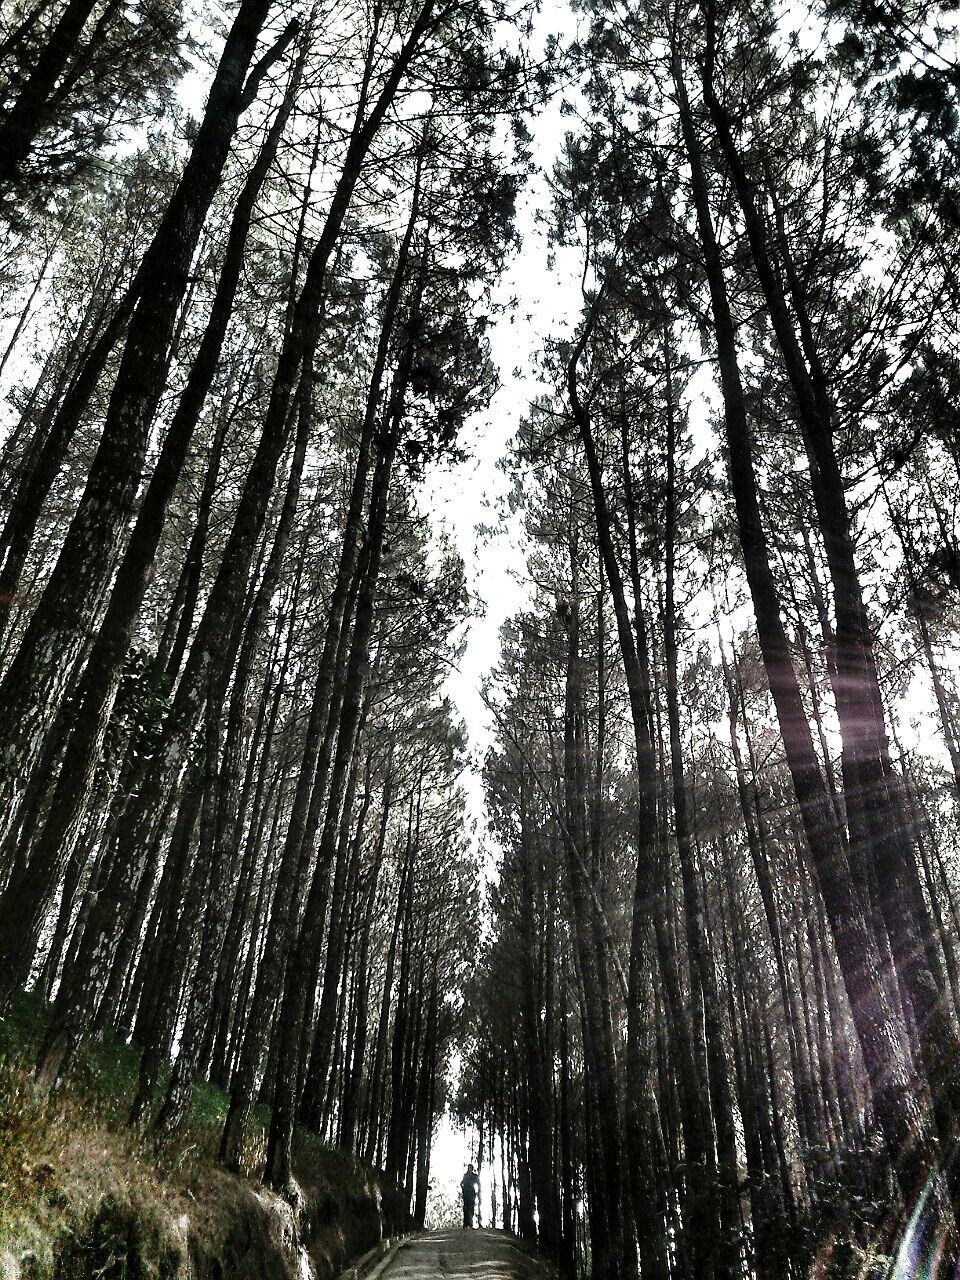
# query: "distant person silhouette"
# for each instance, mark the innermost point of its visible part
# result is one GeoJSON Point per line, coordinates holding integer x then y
{"type": "Point", "coordinates": [470, 1187]}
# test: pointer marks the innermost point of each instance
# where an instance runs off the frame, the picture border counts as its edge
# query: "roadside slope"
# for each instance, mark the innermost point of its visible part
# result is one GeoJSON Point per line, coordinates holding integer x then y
{"type": "Point", "coordinates": [81, 1194]}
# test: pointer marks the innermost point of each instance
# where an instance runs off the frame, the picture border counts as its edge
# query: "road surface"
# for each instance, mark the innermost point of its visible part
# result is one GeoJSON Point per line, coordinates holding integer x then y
{"type": "Point", "coordinates": [458, 1255]}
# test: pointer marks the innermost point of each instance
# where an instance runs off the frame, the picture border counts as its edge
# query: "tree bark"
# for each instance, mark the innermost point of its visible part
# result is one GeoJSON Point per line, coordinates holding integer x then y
{"type": "Point", "coordinates": [37, 678]}
{"type": "Point", "coordinates": [893, 1087]}
{"type": "Point", "coordinates": [28, 898]}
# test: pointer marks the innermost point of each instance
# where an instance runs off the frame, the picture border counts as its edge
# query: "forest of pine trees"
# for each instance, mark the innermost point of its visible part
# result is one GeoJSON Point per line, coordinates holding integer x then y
{"type": "Point", "coordinates": [695, 987]}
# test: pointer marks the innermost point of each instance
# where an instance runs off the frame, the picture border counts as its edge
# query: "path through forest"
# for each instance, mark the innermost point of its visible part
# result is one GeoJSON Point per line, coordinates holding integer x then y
{"type": "Point", "coordinates": [459, 1255]}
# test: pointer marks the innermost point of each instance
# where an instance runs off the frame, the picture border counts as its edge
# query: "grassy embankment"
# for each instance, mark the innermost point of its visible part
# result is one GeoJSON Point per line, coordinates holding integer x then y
{"type": "Point", "coordinates": [83, 1195]}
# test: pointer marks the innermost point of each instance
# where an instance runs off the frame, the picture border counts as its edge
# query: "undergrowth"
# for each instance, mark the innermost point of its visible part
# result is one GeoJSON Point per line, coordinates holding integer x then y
{"type": "Point", "coordinates": [84, 1194]}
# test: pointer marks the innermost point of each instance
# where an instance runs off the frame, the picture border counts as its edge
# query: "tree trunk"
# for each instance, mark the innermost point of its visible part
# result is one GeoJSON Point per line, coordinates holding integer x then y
{"type": "Point", "coordinates": [37, 678]}
{"type": "Point", "coordinates": [879, 834]}
{"type": "Point", "coordinates": [894, 1090]}
{"type": "Point", "coordinates": [20, 125]}
{"type": "Point", "coordinates": [305, 953]}
{"type": "Point", "coordinates": [91, 706]}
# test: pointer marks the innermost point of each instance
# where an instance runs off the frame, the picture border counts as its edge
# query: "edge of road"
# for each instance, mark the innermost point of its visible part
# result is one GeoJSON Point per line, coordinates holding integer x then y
{"type": "Point", "coordinates": [373, 1263]}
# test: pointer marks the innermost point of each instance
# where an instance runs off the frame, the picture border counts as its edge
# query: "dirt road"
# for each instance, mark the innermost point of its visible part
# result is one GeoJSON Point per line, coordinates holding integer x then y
{"type": "Point", "coordinates": [458, 1255]}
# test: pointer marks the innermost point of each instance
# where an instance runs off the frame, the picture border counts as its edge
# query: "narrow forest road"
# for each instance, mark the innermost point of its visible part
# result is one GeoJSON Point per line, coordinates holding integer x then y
{"type": "Point", "coordinates": [459, 1255]}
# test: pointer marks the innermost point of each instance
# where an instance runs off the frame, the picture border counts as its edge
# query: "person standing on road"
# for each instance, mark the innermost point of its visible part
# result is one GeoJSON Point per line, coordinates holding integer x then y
{"type": "Point", "coordinates": [470, 1187]}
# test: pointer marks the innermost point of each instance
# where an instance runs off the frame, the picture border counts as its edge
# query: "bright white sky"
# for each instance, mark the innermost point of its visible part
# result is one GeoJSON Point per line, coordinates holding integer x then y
{"type": "Point", "coordinates": [462, 497]}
